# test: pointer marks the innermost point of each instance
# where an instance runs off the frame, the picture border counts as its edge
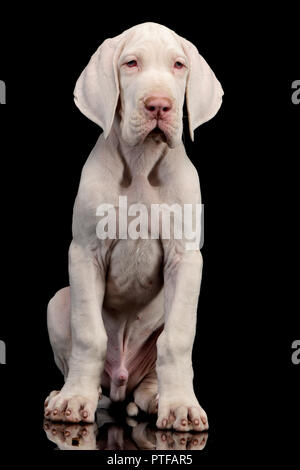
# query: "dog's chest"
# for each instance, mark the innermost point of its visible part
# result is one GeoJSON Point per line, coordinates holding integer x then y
{"type": "Point", "coordinates": [134, 258]}
{"type": "Point", "coordinates": [134, 274]}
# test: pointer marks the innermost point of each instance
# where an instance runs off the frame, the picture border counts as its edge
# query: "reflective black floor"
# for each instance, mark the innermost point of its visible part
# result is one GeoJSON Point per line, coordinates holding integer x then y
{"type": "Point", "coordinates": [109, 432]}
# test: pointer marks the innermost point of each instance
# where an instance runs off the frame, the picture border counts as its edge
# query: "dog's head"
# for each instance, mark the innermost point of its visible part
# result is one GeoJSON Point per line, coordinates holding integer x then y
{"type": "Point", "coordinates": [144, 74]}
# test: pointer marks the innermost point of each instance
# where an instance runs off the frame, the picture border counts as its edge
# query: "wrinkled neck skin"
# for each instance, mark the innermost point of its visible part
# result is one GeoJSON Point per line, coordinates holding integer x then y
{"type": "Point", "coordinates": [142, 158]}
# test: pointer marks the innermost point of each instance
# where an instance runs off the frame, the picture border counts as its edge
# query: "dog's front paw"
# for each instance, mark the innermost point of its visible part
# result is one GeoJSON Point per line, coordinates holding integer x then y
{"type": "Point", "coordinates": [181, 416]}
{"type": "Point", "coordinates": [71, 406]}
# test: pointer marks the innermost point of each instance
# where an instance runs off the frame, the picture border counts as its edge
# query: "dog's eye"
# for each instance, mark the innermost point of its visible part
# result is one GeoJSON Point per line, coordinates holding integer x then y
{"type": "Point", "coordinates": [178, 65]}
{"type": "Point", "coordinates": [132, 63]}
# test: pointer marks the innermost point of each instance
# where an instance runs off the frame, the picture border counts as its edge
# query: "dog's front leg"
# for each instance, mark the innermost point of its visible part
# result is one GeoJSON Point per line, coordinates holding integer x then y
{"type": "Point", "coordinates": [178, 406]}
{"type": "Point", "coordinates": [78, 399]}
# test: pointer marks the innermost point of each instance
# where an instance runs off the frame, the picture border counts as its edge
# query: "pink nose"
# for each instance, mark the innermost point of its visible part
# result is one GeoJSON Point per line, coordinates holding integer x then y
{"type": "Point", "coordinates": [157, 107]}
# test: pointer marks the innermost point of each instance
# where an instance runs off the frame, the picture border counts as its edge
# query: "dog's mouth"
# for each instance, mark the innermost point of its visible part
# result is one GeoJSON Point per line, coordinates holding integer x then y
{"type": "Point", "coordinates": [157, 132]}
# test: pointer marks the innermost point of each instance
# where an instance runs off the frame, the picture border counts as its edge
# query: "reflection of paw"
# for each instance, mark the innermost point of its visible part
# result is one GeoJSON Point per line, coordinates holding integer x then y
{"type": "Point", "coordinates": [182, 417]}
{"type": "Point", "coordinates": [197, 441]}
{"type": "Point", "coordinates": [115, 438]}
{"type": "Point", "coordinates": [142, 435]}
{"type": "Point", "coordinates": [132, 422]}
{"type": "Point", "coordinates": [149, 438]}
{"type": "Point", "coordinates": [71, 407]}
{"type": "Point", "coordinates": [71, 436]}
{"type": "Point", "coordinates": [167, 440]}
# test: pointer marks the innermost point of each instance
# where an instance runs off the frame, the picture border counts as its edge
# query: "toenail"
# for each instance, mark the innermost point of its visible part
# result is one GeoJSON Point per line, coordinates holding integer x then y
{"type": "Point", "coordinates": [163, 437]}
{"type": "Point", "coordinates": [67, 433]}
{"type": "Point", "coordinates": [182, 440]}
{"type": "Point", "coordinates": [47, 413]}
{"type": "Point", "coordinates": [196, 421]}
{"type": "Point", "coordinates": [183, 422]}
{"type": "Point", "coordinates": [195, 442]}
{"type": "Point", "coordinates": [68, 412]}
{"type": "Point", "coordinates": [54, 431]}
{"type": "Point", "coordinates": [55, 411]}
{"type": "Point", "coordinates": [164, 423]}
{"type": "Point", "coordinates": [85, 414]}
{"type": "Point", "coordinates": [84, 432]}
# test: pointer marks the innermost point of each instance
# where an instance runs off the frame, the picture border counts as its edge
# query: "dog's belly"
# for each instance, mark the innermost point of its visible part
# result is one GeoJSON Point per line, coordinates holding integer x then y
{"type": "Point", "coordinates": [132, 314]}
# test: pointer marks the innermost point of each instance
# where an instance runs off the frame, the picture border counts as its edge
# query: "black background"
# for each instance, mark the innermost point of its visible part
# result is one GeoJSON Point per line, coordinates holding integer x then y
{"type": "Point", "coordinates": [246, 157]}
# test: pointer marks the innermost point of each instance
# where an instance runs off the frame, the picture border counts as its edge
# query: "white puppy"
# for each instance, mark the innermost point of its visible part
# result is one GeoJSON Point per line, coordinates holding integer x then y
{"type": "Point", "coordinates": [127, 322]}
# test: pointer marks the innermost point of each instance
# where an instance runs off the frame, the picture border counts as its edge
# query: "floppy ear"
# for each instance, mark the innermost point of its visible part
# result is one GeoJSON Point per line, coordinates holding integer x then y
{"type": "Point", "coordinates": [96, 92]}
{"type": "Point", "coordinates": [203, 90]}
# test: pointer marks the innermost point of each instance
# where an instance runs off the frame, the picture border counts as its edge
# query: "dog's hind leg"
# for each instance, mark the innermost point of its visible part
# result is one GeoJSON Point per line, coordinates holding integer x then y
{"type": "Point", "coordinates": [145, 396]}
{"type": "Point", "coordinates": [59, 328]}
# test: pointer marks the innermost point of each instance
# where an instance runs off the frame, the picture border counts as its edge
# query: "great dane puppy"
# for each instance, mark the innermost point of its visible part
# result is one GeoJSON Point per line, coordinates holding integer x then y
{"type": "Point", "coordinates": [127, 322]}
